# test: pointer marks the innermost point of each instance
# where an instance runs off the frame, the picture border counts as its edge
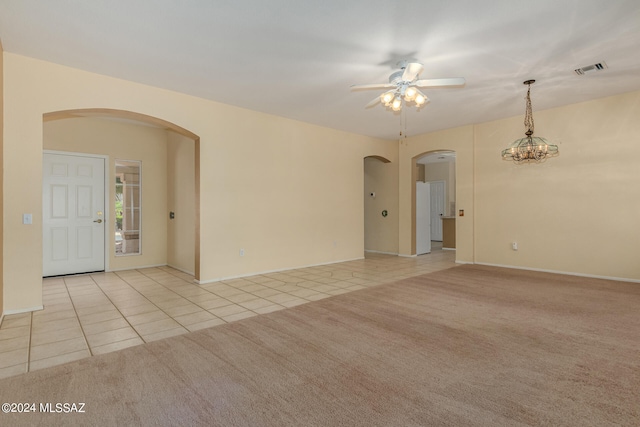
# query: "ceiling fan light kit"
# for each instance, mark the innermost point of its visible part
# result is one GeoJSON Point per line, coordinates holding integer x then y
{"type": "Point", "coordinates": [530, 148]}
{"type": "Point", "coordinates": [393, 98]}
{"type": "Point", "coordinates": [405, 87]}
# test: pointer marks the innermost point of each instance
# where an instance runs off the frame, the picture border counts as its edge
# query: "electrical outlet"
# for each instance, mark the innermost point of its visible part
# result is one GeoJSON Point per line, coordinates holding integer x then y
{"type": "Point", "coordinates": [514, 246]}
{"type": "Point", "coordinates": [241, 252]}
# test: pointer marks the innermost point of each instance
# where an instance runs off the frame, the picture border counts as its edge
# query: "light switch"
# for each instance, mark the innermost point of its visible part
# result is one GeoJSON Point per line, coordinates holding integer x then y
{"type": "Point", "coordinates": [27, 219]}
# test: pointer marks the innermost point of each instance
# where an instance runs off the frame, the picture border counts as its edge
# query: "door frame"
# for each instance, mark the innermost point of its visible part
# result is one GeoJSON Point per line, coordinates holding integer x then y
{"type": "Point", "coordinates": [414, 177]}
{"type": "Point", "coordinates": [107, 195]}
{"type": "Point", "coordinates": [420, 186]}
{"type": "Point", "coordinates": [444, 207]}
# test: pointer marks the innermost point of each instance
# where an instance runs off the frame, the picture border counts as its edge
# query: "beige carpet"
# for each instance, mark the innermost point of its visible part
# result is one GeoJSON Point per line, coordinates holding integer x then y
{"type": "Point", "coordinates": [471, 345]}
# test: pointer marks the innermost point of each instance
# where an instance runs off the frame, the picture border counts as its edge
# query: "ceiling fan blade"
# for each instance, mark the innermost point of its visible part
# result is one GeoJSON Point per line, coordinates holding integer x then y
{"type": "Point", "coordinates": [453, 81]}
{"type": "Point", "coordinates": [411, 71]}
{"type": "Point", "coordinates": [373, 86]}
{"type": "Point", "coordinates": [373, 102]}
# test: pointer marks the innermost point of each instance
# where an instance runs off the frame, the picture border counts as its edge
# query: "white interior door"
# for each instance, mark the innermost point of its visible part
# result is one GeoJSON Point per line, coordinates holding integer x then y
{"type": "Point", "coordinates": [73, 220]}
{"type": "Point", "coordinates": [423, 218]}
{"type": "Point", "coordinates": [437, 209]}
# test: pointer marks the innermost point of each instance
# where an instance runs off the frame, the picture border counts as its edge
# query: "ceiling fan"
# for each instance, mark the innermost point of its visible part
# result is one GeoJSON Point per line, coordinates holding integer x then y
{"type": "Point", "coordinates": [404, 85]}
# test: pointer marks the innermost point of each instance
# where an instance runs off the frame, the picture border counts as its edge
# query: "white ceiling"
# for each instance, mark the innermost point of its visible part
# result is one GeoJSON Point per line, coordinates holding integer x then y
{"type": "Point", "coordinates": [298, 59]}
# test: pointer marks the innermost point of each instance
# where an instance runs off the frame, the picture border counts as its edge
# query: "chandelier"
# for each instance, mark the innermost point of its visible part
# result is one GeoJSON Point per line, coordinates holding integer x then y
{"type": "Point", "coordinates": [530, 148]}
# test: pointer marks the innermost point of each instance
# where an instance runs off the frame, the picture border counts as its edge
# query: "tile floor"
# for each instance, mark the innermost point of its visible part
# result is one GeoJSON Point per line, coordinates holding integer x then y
{"type": "Point", "coordinates": [92, 314]}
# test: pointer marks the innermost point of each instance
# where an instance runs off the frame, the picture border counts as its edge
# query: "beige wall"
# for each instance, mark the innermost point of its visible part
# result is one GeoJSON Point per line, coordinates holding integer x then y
{"type": "Point", "coordinates": [1, 180]}
{"type": "Point", "coordinates": [181, 200]}
{"type": "Point", "coordinates": [123, 141]}
{"type": "Point", "coordinates": [436, 172]}
{"type": "Point", "coordinates": [575, 213]}
{"type": "Point", "coordinates": [381, 233]}
{"type": "Point", "coordinates": [287, 192]}
{"type": "Point", "coordinates": [443, 171]}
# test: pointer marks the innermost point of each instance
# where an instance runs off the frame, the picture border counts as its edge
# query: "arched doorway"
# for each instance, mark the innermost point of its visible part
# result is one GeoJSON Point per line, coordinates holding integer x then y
{"type": "Point", "coordinates": [380, 205]}
{"type": "Point", "coordinates": [435, 170]}
{"type": "Point", "coordinates": [163, 194]}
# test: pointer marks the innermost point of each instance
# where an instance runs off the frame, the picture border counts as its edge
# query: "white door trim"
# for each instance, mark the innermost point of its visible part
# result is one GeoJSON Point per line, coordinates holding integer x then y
{"type": "Point", "coordinates": [436, 220]}
{"type": "Point", "coordinates": [107, 196]}
{"type": "Point", "coordinates": [423, 218]}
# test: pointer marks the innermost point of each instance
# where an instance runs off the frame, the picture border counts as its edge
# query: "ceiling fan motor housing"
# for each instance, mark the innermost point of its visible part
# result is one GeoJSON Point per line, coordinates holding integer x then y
{"type": "Point", "coordinates": [396, 77]}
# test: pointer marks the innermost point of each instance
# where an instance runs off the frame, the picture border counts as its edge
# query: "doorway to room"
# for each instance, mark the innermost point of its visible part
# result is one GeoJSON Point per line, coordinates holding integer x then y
{"type": "Point", "coordinates": [434, 201]}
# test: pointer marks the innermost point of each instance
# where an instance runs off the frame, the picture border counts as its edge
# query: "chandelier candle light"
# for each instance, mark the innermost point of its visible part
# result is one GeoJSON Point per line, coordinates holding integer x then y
{"type": "Point", "coordinates": [530, 148]}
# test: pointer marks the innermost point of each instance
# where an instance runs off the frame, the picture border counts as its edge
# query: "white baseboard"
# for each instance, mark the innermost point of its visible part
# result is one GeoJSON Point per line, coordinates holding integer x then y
{"type": "Point", "coordinates": [566, 273]}
{"type": "Point", "coordinates": [448, 249]}
{"type": "Point", "coordinates": [204, 282]}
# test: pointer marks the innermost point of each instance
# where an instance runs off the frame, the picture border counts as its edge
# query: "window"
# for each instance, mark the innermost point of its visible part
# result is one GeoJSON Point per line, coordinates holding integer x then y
{"type": "Point", "coordinates": [127, 237]}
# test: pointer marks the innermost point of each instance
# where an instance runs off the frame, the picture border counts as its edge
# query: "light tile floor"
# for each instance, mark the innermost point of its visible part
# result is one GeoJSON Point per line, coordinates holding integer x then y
{"type": "Point", "coordinates": [92, 314]}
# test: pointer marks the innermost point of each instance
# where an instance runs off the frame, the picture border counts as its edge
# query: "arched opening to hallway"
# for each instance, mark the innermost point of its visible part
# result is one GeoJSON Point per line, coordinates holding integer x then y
{"type": "Point", "coordinates": [434, 173]}
{"type": "Point", "coordinates": [380, 205]}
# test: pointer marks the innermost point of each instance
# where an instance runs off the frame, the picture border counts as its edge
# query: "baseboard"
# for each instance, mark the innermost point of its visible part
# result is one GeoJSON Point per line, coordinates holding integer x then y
{"type": "Point", "coordinates": [448, 249]}
{"type": "Point", "coordinates": [138, 267]}
{"type": "Point", "coordinates": [181, 269]}
{"type": "Point", "coordinates": [408, 256]}
{"type": "Point", "coordinates": [22, 310]}
{"type": "Point", "coordinates": [381, 252]}
{"type": "Point", "coordinates": [204, 282]}
{"type": "Point", "coordinates": [463, 262]}
{"type": "Point", "coordinates": [566, 273]}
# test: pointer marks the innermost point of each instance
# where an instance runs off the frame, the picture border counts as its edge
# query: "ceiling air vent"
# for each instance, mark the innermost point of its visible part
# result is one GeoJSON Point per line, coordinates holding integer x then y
{"type": "Point", "coordinates": [591, 68]}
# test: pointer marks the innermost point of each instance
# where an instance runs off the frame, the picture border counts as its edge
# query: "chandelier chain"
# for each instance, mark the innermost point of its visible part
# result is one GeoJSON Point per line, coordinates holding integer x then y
{"type": "Point", "coordinates": [528, 115]}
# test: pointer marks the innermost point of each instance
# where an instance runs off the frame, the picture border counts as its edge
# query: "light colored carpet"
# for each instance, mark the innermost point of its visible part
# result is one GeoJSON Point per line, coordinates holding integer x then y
{"type": "Point", "coordinates": [471, 345]}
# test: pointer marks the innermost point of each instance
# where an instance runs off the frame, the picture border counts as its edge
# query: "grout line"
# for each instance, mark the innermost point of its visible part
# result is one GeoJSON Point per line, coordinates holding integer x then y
{"type": "Point", "coordinates": [77, 317]}
{"type": "Point", "coordinates": [206, 290]}
{"type": "Point", "coordinates": [119, 312]}
{"type": "Point", "coordinates": [165, 287]}
{"type": "Point", "coordinates": [170, 290]}
{"type": "Point", "coordinates": [30, 335]}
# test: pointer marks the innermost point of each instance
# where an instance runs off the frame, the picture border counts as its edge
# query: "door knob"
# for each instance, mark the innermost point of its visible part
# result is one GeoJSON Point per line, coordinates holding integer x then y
{"type": "Point", "coordinates": [98, 221]}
